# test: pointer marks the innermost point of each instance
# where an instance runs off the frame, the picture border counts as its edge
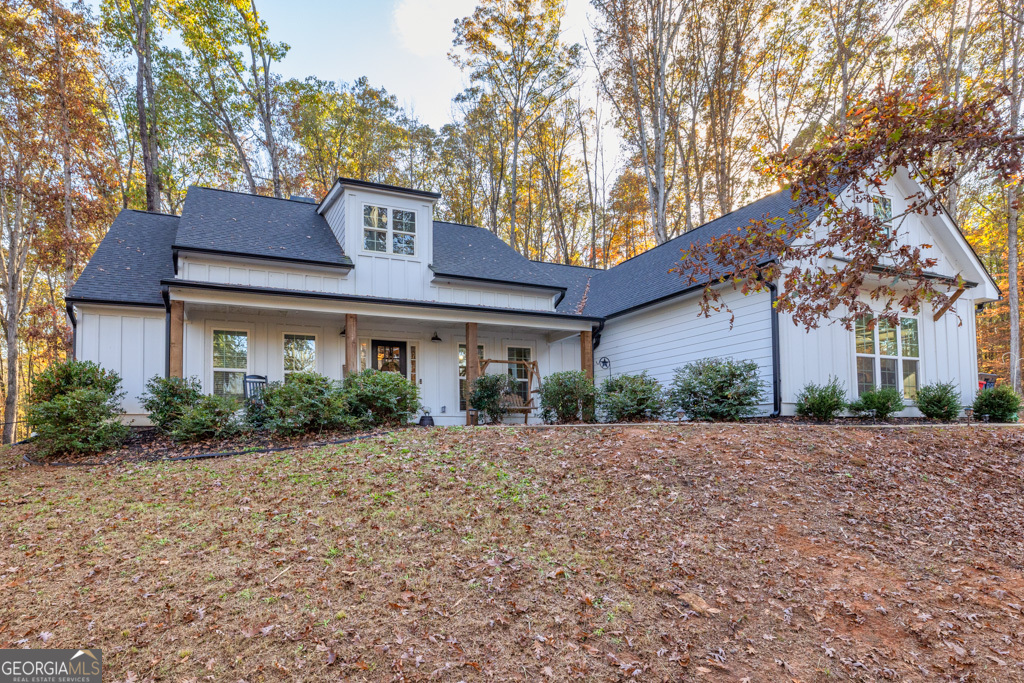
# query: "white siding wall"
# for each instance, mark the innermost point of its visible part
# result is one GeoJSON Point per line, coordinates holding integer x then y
{"type": "Point", "coordinates": [662, 338]}
{"type": "Point", "coordinates": [260, 275]}
{"type": "Point", "coordinates": [337, 219]}
{"type": "Point", "coordinates": [130, 342]}
{"type": "Point", "coordinates": [948, 354]}
{"type": "Point", "coordinates": [496, 297]}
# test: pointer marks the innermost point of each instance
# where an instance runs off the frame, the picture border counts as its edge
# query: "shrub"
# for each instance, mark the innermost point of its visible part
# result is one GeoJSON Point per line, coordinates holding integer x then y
{"type": "Point", "coordinates": [1001, 404]}
{"type": "Point", "coordinates": [308, 402]}
{"type": "Point", "coordinates": [568, 397]}
{"type": "Point", "coordinates": [631, 398]}
{"type": "Point", "coordinates": [716, 389]}
{"type": "Point", "coordinates": [211, 417]}
{"type": "Point", "coordinates": [167, 398]}
{"type": "Point", "coordinates": [489, 393]}
{"type": "Point", "coordinates": [885, 402]}
{"type": "Point", "coordinates": [939, 401]}
{"type": "Point", "coordinates": [381, 398]}
{"type": "Point", "coordinates": [74, 407]}
{"type": "Point", "coordinates": [822, 402]}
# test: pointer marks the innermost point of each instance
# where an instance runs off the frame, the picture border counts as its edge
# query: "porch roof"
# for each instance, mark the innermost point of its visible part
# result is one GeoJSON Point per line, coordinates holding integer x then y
{"type": "Point", "coordinates": [269, 297]}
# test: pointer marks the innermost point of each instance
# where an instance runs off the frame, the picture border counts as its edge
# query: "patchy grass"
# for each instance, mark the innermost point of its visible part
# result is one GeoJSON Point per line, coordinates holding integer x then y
{"type": "Point", "coordinates": [663, 553]}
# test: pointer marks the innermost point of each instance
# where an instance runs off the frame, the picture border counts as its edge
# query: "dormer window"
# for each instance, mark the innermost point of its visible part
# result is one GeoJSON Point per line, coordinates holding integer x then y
{"type": "Point", "coordinates": [389, 231]}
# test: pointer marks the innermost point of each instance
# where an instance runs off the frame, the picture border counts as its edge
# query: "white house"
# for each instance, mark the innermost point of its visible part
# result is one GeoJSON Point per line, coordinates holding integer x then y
{"type": "Point", "coordinates": [248, 285]}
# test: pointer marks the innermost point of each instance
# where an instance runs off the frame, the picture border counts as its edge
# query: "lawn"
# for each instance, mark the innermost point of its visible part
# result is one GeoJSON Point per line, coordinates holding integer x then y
{"type": "Point", "coordinates": [760, 552]}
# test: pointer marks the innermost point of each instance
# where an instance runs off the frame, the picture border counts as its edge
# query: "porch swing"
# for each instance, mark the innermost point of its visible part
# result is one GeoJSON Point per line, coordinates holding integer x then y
{"type": "Point", "coordinates": [512, 401]}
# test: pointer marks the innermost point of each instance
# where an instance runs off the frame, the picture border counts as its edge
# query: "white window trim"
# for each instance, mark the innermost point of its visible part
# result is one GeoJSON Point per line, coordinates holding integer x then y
{"type": "Point", "coordinates": [389, 240]}
{"type": "Point", "coordinates": [519, 345]}
{"type": "Point", "coordinates": [317, 355]}
{"type": "Point", "coordinates": [892, 211]}
{"type": "Point", "coordinates": [213, 328]}
{"type": "Point", "coordinates": [878, 356]}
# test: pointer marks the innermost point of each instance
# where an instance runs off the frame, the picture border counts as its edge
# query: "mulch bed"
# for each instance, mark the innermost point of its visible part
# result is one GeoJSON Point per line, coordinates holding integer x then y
{"type": "Point", "coordinates": [146, 445]}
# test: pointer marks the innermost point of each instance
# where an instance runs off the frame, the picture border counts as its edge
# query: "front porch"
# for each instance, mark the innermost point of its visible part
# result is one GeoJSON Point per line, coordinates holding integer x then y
{"type": "Point", "coordinates": [220, 342]}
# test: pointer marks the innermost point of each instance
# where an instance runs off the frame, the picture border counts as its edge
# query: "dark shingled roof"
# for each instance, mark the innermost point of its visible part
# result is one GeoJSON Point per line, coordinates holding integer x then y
{"type": "Point", "coordinates": [645, 278]}
{"type": "Point", "coordinates": [471, 252]}
{"type": "Point", "coordinates": [136, 253]}
{"type": "Point", "coordinates": [130, 261]}
{"type": "Point", "coordinates": [233, 222]}
{"type": "Point", "coordinates": [577, 280]}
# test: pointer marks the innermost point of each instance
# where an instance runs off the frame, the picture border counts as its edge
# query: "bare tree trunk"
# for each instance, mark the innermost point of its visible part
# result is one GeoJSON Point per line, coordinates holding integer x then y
{"type": "Point", "coordinates": [145, 96]}
{"type": "Point", "coordinates": [1013, 293]}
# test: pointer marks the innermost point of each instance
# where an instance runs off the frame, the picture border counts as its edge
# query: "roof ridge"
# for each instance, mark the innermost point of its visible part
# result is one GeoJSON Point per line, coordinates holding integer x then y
{"type": "Point", "coordinates": [567, 265]}
{"type": "Point", "coordinates": [250, 194]}
{"type": "Point", "coordinates": [464, 225]}
{"type": "Point", "coordinates": [152, 213]}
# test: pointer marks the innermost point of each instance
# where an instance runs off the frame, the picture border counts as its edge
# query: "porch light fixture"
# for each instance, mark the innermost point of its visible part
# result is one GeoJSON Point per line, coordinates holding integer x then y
{"type": "Point", "coordinates": [435, 338]}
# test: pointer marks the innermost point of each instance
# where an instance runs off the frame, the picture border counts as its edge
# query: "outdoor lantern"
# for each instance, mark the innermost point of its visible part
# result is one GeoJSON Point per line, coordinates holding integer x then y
{"type": "Point", "coordinates": [435, 338]}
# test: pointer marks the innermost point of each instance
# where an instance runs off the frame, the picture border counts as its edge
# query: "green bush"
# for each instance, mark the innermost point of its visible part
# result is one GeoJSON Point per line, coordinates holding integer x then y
{"type": "Point", "coordinates": [716, 389]}
{"type": "Point", "coordinates": [822, 401]}
{"type": "Point", "coordinates": [1001, 404]}
{"type": "Point", "coordinates": [568, 396]}
{"type": "Point", "coordinates": [939, 401]}
{"type": "Point", "coordinates": [381, 398]}
{"type": "Point", "coordinates": [631, 398]}
{"type": "Point", "coordinates": [488, 395]}
{"type": "Point", "coordinates": [167, 398]}
{"type": "Point", "coordinates": [885, 403]}
{"type": "Point", "coordinates": [308, 402]}
{"type": "Point", "coordinates": [74, 408]}
{"type": "Point", "coordinates": [211, 417]}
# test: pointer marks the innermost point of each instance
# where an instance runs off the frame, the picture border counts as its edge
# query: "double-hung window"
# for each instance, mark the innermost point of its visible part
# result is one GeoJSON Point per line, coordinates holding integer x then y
{"type": "Point", "coordinates": [888, 356]}
{"type": "Point", "coordinates": [519, 372]}
{"type": "Point", "coordinates": [389, 231]}
{"type": "Point", "coordinates": [299, 354]}
{"type": "Point", "coordinates": [230, 361]}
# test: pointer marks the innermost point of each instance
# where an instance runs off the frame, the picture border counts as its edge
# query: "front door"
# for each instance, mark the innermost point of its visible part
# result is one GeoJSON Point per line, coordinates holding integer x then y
{"type": "Point", "coordinates": [390, 356]}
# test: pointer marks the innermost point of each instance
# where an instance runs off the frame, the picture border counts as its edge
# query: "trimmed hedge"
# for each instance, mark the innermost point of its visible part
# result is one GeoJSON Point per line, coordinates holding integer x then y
{"type": "Point", "coordinates": [822, 401]}
{"type": "Point", "coordinates": [631, 398]}
{"type": "Point", "coordinates": [940, 401]}
{"type": "Point", "coordinates": [307, 402]}
{"type": "Point", "coordinates": [716, 389]}
{"type": "Point", "coordinates": [211, 417]}
{"type": "Point", "coordinates": [381, 398]}
{"type": "Point", "coordinates": [1001, 404]}
{"type": "Point", "coordinates": [568, 396]}
{"type": "Point", "coordinates": [74, 408]}
{"type": "Point", "coordinates": [167, 398]}
{"type": "Point", "coordinates": [884, 402]}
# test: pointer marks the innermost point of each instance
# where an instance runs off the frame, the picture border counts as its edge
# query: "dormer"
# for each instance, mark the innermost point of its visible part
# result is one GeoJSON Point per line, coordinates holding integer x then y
{"type": "Point", "coordinates": [375, 221]}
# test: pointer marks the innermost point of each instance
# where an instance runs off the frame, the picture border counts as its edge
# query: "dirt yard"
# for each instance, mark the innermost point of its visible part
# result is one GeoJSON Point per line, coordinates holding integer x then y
{"type": "Point", "coordinates": [759, 553]}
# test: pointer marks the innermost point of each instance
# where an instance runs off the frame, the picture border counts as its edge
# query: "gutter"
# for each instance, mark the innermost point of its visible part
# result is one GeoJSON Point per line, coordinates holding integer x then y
{"type": "Point", "coordinates": [596, 332]}
{"type": "Point", "coordinates": [70, 308]}
{"type": "Point", "coordinates": [165, 293]}
{"type": "Point", "coordinates": [776, 354]}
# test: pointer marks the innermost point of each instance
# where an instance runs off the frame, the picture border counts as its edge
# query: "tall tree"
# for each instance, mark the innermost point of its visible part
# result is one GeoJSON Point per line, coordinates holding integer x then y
{"type": "Point", "coordinates": [637, 58]}
{"type": "Point", "coordinates": [515, 49]}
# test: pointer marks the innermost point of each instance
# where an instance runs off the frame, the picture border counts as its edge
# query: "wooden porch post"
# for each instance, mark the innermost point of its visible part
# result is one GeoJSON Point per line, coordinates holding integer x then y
{"type": "Point", "coordinates": [351, 345]}
{"type": "Point", "coordinates": [472, 364]}
{"type": "Point", "coordinates": [587, 353]}
{"type": "Point", "coordinates": [177, 346]}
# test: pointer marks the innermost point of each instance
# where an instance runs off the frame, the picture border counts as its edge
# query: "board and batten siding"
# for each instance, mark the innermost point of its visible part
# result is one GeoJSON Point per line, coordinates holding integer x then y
{"type": "Point", "coordinates": [129, 341]}
{"type": "Point", "coordinates": [948, 354]}
{"type": "Point", "coordinates": [661, 338]}
{"type": "Point", "coordinates": [277, 277]}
